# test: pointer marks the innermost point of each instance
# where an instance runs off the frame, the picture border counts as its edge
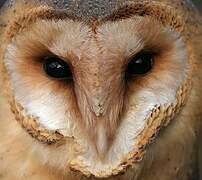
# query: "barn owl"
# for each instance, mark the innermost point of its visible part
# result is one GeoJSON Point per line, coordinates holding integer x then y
{"type": "Point", "coordinates": [105, 89]}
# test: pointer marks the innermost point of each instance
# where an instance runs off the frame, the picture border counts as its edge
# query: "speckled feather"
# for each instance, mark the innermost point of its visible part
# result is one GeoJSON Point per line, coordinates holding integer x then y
{"type": "Point", "coordinates": [95, 9]}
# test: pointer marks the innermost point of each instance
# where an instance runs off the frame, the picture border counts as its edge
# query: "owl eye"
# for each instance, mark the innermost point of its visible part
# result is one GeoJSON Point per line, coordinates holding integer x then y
{"type": "Point", "coordinates": [140, 64]}
{"type": "Point", "coordinates": [57, 68]}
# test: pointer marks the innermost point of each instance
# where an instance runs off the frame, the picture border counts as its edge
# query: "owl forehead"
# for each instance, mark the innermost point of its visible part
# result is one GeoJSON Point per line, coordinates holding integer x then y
{"type": "Point", "coordinates": [74, 38]}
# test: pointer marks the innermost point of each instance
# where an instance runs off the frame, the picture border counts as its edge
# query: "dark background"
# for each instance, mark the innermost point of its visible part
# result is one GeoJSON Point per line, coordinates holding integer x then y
{"type": "Point", "coordinates": [198, 4]}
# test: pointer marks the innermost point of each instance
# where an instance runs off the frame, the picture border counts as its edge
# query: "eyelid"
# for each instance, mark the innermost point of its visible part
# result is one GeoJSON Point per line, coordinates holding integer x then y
{"type": "Point", "coordinates": [140, 52]}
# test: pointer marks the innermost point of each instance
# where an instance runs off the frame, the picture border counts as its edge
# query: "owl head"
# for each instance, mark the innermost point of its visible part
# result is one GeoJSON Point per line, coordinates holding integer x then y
{"type": "Point", "coordinates": [95, 82]}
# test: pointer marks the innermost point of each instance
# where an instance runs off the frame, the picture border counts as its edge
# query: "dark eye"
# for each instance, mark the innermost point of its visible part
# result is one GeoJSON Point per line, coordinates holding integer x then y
{"type": "Point", "coordinates": [140, 64]}
{"type": "Point", "coordinates": [57, 68]}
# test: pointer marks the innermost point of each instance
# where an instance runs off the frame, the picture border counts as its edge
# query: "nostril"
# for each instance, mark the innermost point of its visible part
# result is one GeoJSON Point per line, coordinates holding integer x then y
{"type": "Point", "coordinates": [98, 108]}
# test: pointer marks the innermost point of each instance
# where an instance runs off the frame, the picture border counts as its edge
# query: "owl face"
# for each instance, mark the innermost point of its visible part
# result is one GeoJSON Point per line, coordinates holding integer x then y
{"type": "Point", "coordinates": [110, 86]}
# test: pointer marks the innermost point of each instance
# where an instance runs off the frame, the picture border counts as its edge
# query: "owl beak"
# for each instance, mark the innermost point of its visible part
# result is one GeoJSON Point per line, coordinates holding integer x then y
{"type": "Point", "coordinates": [101, 117]}
{"type": "Point", "coordinates": [98, 106]}
{"type": "Point", "coordinates": [102, 140]}
{"type": "Point", "coordinates": [100, 100]}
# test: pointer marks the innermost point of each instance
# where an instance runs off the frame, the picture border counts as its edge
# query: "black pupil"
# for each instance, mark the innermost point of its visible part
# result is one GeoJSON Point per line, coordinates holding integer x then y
{"type": "Point", "coordinates": [57, 68]}
{"type": "Point", "coordinates": [140, 64]}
